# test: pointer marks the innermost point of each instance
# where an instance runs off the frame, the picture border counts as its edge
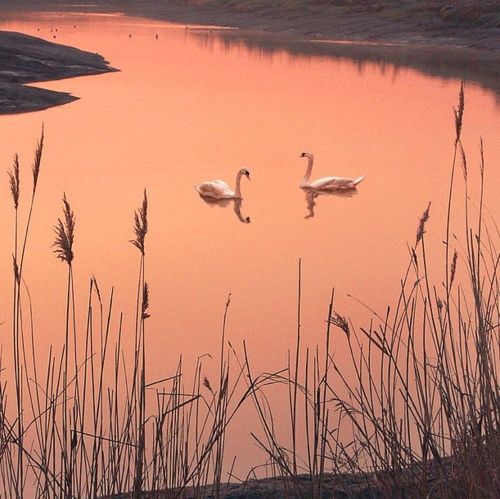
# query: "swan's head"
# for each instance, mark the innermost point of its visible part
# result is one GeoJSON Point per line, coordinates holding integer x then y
{"type": "Point", "coordinates": [245, 172]}
{"type": "Point", "coordinates": [306, 155]}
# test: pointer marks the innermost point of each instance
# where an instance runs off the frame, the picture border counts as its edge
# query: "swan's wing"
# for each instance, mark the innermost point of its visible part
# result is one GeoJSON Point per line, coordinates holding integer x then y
{"type": "Point", "coordinates": [220, 183]}
{"type": "Point", "coordinates": [214, 188]}
{"type": "Point", "coordinates": [328, 183]}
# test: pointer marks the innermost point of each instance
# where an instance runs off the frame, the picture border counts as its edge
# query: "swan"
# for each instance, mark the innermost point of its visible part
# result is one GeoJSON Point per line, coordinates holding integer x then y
{"type": "Point", "coordinates": [218, 189]}
{"type": "Point", "coordinates": [326, 183]}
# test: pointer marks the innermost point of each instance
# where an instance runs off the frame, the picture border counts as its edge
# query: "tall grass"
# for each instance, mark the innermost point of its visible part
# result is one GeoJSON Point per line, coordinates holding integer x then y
{"type": "Point", "coordinates": [91, 423]}
{"type": "Point", "coordinates": [420, 415]}
{"type": "Point", "coordinates": [413, 412]}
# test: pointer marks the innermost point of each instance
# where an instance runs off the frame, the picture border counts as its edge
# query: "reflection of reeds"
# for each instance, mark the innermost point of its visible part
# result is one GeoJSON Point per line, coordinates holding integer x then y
{"type": "Point", "coordinates": [414, 412]}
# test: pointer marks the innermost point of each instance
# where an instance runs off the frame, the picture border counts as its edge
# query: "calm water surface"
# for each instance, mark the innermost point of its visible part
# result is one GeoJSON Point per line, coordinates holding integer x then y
{"type": "Point", "coordinates": [185, 109]}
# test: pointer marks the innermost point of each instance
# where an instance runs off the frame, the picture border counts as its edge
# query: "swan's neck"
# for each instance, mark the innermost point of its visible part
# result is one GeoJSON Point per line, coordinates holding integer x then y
{"type": "Point", "coordinates": [237, 210]}
{"type": "Point", "coordinates": [307, 175]}
{"type": "Point", "coordinates": [237, 190]}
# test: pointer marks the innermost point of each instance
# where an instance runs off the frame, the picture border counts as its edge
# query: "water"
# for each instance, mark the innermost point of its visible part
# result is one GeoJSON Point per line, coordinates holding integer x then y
{"type": "Point", "coordinates": [187, 108]}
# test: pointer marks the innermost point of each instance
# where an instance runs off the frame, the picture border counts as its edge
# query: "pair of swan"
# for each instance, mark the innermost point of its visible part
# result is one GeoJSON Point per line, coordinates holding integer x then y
{"type": "Point", "coordinates": [218, 189]}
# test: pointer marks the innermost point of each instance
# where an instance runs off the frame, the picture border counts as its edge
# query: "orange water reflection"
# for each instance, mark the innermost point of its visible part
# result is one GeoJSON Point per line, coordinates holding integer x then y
{"type": "Point", "coordinates": [178, 114]}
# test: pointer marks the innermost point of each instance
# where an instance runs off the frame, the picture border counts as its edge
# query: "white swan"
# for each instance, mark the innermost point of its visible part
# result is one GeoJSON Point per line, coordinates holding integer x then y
{"type": "Point", "coordinates": [218, 189]}
{"type": "Point", "coordinates": [326, 183]}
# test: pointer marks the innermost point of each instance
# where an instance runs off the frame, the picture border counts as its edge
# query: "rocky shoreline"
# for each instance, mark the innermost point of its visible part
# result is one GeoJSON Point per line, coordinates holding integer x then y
{"type": "Point", "coordinates": [27, 59]}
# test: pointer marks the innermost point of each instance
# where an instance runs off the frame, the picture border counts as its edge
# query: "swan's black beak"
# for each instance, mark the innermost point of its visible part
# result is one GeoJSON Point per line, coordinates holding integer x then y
{"type": "Point", "coordinates": [302, 155]}
{"type": "Point", "coordinates": [248, 176]}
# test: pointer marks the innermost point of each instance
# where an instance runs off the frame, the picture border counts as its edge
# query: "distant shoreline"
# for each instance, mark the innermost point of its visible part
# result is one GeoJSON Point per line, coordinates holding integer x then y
{"type": "Point", "coordinates": [450, 26]}
{"type": "Point", "coordinates": [437, 48]}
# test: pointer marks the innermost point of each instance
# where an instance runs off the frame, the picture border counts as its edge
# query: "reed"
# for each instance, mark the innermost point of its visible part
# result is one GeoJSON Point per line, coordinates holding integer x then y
{"type": "Point", "coordinates": [420, 415]}
{"type": "Point", "coordinates": [414, 411]}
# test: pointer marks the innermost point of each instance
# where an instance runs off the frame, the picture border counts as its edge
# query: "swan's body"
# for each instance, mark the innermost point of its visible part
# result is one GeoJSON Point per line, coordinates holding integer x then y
{"type": "Point", "coordinates": [326, 183]}
{"type": "Point", "coordinates": [218, 189]}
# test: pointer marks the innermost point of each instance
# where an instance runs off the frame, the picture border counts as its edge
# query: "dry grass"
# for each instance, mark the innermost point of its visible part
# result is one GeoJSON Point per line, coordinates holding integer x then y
{"type": "Point", "coordinates": [419, 416]}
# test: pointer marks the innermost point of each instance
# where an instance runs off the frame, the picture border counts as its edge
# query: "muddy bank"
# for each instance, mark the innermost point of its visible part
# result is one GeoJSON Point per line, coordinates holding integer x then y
{"type": "Point", "coordinates": [461, 23]}
{"type": "Point", "coordinates": [405, 483]}
{"type": "Point", "coordinates": [27, 59]}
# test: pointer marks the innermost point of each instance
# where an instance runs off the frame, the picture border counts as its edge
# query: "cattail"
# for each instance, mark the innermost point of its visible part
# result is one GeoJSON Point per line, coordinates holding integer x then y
{"type": "Point", "coordinates": [65, 233]}
{"type": "Point", "coordinates": [341, 322]}
{"type": "Point", "coordinates": [421, 225]}
{"type": "Point", "coordinates": [459, 113]}
{"type": "Point", "coordinates": [37, 161]}
{"type": "Point", "coordinates": [15, 181]}
{"type": "Point", "coordinates": [145, 301]}
{"type": "Point", "coordinates": [141, 225]}
{"type": "Point", "coordinates": [453, 267]}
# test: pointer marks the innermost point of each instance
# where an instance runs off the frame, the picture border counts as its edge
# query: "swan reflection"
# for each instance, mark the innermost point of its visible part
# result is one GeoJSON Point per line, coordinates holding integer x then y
{"type": "Point", "coordinates": [224, 203]}
{"type": "Point", "coordinates": [312, 195]}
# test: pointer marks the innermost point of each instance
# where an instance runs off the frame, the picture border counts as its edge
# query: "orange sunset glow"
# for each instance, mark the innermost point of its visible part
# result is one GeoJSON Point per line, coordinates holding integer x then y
{"type": "Point", "coordinates": [190, 104]}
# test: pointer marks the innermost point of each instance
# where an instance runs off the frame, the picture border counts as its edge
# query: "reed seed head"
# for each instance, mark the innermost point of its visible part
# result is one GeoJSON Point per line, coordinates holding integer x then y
{"type": "Point", "coordinates": [207, 385]}
{"type": "Point", "coordinates": [15, 181]}
{"type": "Point", "coordinates": [65, 234]}
{"type": "Point", "coordinates": [37, 160]}
{"type": "Point", "coordinates": [141, 225]}
{"type": "Point", "coordinates": [341, 322]}
{"type": "Point", "coordinates": [459, 113]}
{"type": "Point", "coordinates": [421, 226]}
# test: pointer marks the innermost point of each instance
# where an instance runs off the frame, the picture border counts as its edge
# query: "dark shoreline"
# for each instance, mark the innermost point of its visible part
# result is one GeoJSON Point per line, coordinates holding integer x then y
{"type": "Point", "coordinates": [459, 51]}
{"type": "Point", "coordinates": [407, 483]}
{"type": "Point", "coordinates": [357, 22]}
{"type": "Point", "coordinates": [27, 59]}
